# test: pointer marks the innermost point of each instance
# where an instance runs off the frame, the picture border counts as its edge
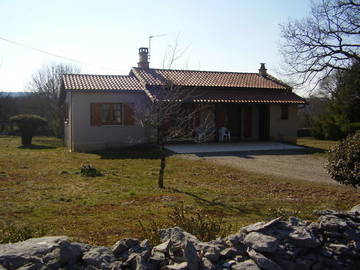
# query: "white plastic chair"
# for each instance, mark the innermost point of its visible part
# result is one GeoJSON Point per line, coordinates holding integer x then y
{"type": "Point", "coordinates": [224, 134]}
{"type": "Point", "coordinates": [199, 134]}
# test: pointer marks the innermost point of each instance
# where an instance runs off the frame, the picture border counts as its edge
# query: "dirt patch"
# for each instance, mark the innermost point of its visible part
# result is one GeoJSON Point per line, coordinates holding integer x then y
{"type": "Point", "coordinates": [294, 166]}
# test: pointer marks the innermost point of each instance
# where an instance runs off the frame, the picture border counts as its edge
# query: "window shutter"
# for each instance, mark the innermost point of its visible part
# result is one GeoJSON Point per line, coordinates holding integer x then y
{"type": "Point", "coordinates": [95, 111]}
{"type": "Point", "coordinates": [129, 118]}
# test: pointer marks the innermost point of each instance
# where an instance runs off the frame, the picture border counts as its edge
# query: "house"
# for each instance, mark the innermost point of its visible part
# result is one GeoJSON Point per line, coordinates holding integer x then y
{"type": "Point", "coordinates": [102, 110]}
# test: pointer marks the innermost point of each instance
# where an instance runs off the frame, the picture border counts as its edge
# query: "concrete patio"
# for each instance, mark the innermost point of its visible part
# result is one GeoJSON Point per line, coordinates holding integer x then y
{"type": "Point", "coordinates": [230, 147]}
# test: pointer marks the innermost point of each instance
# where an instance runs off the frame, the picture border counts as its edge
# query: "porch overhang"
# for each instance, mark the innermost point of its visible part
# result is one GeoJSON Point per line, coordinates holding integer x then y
{"type": "Point", "coordinates": [247, 96]}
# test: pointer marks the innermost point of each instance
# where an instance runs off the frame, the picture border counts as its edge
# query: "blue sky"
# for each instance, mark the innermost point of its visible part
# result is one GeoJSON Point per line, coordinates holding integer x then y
{"type": "Point", "coordinates": [227, 35]}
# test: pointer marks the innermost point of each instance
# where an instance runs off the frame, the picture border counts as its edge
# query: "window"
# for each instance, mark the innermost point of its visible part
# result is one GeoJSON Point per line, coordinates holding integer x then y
{"type": "Point", "coordinates": [111, 114]}
{"type": "Point", "coordinates": [284, 112]}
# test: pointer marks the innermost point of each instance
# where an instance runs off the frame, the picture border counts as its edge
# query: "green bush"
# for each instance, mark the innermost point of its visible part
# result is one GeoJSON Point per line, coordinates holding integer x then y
{"type": "Point", "coordinates": [344, 161]}
{"type": "Point", "coordinates": [199, 222]}
{"type": "Point", "coordinates": [330, 127]}
{"type": "Point", "coordinates": [89, 170]}
{"type": "Point", "coordinates": [28, 124]}
{"type": "Point", "coordinates": [355, 126]}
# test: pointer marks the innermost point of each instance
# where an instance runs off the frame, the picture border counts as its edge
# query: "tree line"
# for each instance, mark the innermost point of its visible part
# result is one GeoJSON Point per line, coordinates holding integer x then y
{"type": "Point", "coordinates": [322, 51]}
{"type": "Point", "coordinates": [43, 99]}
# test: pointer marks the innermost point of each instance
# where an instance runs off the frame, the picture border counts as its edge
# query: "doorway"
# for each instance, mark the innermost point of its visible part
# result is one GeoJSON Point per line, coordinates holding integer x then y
{"type": "Point", "coordinates": [233, 112]}
{"type": "Point", "coordinates": [264, 122]}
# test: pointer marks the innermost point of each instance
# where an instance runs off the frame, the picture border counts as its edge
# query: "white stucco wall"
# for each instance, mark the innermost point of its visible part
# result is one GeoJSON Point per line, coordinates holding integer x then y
{"type": "Point", "coordinates": [67, 128]}
{"type": "Point", "coordinates": [283, 130]}
{"type": "Point", "coordinates": [88, 138]}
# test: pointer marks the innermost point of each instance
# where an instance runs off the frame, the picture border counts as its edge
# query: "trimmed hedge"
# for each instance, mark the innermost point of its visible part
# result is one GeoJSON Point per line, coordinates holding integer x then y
{"type": "Point", "coordinates": [28, 124]}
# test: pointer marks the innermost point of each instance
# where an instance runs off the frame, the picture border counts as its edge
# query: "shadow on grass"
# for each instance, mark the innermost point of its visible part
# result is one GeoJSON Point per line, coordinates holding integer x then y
{"type": "Point", "coordinates": [141, 151]}
{"type": "Point", "coordinates": [36, 147]}
{"type": "Point", "coordinates": [250, 154]}
{"type": "Point", "coordinates": [238, 210]}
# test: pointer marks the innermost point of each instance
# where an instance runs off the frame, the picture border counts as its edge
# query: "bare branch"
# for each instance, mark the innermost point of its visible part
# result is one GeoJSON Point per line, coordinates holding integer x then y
{"type": "Point", "coordinates": [328, 40]}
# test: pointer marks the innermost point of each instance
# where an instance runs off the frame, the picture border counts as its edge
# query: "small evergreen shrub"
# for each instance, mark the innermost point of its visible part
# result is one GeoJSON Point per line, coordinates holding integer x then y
{"type": "Point", "coordinates": [27, 125]}
{"type": "Point", "coordinates": [89, 170]}
{"type": "Point", "coordinates": [344, 161]}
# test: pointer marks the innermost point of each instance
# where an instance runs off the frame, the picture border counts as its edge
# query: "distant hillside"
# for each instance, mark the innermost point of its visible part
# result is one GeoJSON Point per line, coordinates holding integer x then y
{"type": "Point", "coordinates": [14, 94]}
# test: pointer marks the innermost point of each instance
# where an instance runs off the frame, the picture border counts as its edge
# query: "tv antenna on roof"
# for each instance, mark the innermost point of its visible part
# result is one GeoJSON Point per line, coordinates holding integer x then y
{"type": "Point", "coordinates": [151, 37]}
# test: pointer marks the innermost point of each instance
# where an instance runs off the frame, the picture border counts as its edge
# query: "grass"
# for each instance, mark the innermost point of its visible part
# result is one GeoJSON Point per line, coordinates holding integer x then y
{"type": "Point", "coordinates": [319, 147]}
{"type": "Point", "coordinates": [41, 187]}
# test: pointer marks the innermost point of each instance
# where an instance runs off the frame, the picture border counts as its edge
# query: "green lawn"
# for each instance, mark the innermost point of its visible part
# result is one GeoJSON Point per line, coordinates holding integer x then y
{"type": "Point", "coordinates": [40, 187]}
{"type": "Point", "coordinates": [316, 146]}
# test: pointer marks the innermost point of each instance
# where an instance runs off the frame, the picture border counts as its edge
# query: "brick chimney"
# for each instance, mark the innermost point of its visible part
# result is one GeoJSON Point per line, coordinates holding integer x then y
{"type": "Point", "coordinates": [262, 70]}
{"type": "Point", "coordinates": [143, 57]}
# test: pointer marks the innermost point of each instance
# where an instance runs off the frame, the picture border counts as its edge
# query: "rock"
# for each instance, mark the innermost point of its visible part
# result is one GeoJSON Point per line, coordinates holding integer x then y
{"type": "Point", "coordinates": [163, 247]}
{"type": "Point", "coordinates": [123, 245]}
{"type": "Point", "coordinates": [35, 252]}
{"type": "Point", "coordinates": [157, 257]}
{"type": "Point", "coordinates": [145, 244]}
{"type": "Point", "coordinates": [294, 221]}
{"type": "Point", "coordinates": [191, 256]}
{"type": "Point", "coordinates": [302, 238]}
{"type": "Point", "coordinates": [262, 261]}
{"type": "Point", "coordinates": [207, 265]}
{"type": "Point", "coordinates": [99, 257]}
{"type": "Point", "coordinates": [177, 266]}
{"type": "Point", "coordinates": [228, 253]}
{"type": "Point", "coordinates": [246, 265]}
{"type": "Point", "coordinates": [239, 258]}
{"type": "Point", "coordinates": [259, 226]}
{"type": "Point", "coordinates": [233, 240]}
{"type": "Point", "coordinates": [138, 261]}
{"type": "Point", "coordinates": [228, 264]}
{"type": "Point", "coordinates": [212, 253]}
{"type": "Point", "coordinates": [177, 234]}
{"type": "Point", "coordinates": [326, 212]}
{"type": "Point", "coordinates": [355, 209]}
{"type": "Point", "coordinates": [332, 223]}
{"type": "Point", "coordinates": [340, 249]}
{"type": "Point", "coordinates": [261, 242]}
{"type": "Point", "coordinates": [333, 242]}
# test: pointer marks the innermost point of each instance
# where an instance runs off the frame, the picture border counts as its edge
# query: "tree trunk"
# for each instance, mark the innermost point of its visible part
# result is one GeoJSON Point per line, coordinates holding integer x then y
{"type": "Point", "coordinates": [162, 166]}
{"type": "Point", "coordinates": [26, 139]}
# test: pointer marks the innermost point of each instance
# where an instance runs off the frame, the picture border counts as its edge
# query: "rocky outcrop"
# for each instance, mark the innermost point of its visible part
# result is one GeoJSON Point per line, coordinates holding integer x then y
{"type": "Point", "coordinates": [333, 242]}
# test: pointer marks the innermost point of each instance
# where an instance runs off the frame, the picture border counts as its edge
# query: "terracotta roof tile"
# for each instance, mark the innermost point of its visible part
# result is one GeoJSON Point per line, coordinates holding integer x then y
{"type": "Point", "coordinates": [210, 86]}
{"type": "Point", "coordinates": [194, 78]}
{"type": "Point", "coordinates": [239, 96]}
{"type": "Point", "coordinates": [101, 82]}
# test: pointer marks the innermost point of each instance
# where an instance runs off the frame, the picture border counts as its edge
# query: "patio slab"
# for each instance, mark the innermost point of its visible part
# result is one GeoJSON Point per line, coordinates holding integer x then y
{"type": "Point", "coordinates": [230, 147]}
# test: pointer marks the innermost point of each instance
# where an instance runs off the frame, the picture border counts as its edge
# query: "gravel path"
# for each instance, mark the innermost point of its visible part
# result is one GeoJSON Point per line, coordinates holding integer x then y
{"type": "Point", "coordinates": [285, 164]}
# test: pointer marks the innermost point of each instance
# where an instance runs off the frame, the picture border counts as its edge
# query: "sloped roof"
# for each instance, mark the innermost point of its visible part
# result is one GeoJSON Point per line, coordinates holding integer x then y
{"type": "Point", "coordinates": [196, 78]}
{"type": "Point", "coordinates": [210, 86]}
{"type": "Point", "coordinates": [101, 82]}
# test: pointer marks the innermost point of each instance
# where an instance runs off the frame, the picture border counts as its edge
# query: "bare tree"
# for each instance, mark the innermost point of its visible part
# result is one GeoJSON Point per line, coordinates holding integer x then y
{"type": "Point", "coordinates": [45, 84]}
{"type": "Point", "coordinates": [7, 109]}
{"type": "Point", "coordinates": [173, 116]}
{"type": "Point", "coordinates": [327, 40]}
